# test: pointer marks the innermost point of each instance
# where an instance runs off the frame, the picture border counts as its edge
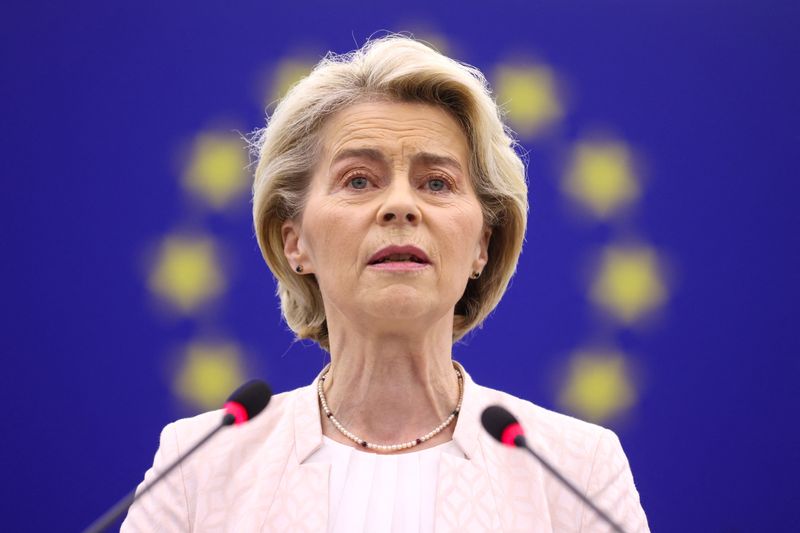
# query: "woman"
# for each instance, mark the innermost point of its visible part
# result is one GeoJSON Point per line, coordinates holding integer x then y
{"type": "Point", "coordinates": [391, 207]}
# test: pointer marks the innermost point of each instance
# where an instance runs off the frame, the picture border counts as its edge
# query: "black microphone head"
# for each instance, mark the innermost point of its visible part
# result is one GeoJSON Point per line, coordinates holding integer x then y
{"type": "Point", "coordinates": [248, 400]}
{"type": "Point", "coordinates": [501, 424]}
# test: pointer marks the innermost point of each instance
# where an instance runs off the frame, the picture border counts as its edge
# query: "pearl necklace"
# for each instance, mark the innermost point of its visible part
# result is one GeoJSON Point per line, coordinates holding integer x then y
{"type": "Point", "coordinates": [390, 447]}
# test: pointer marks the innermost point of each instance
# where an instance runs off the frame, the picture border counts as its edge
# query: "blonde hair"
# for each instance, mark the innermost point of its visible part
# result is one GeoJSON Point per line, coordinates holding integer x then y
{"type": "Point", "coordinates": [397, 68]}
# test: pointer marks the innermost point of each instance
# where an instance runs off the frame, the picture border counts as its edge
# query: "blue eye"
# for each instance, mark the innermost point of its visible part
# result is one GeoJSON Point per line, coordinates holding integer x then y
{"type": "Point", "coordinates": [437, 184]}
{"type": "Point", "coordinates": [359, 182]}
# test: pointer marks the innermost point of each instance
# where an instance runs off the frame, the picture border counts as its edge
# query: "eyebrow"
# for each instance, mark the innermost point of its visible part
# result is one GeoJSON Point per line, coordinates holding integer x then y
{"type": "Point", "coordinates": [426, 158]}
{"type": "Point", "coordinates": [429, 159]}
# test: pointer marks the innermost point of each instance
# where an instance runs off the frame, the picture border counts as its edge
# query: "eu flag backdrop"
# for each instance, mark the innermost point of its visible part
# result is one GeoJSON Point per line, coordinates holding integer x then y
{"type": "Point", "coordinates": [655, 295]}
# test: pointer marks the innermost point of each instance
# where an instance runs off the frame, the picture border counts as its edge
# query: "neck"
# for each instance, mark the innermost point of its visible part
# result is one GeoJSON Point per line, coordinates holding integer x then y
{"type": "Point", "coordinates": [391, 387]}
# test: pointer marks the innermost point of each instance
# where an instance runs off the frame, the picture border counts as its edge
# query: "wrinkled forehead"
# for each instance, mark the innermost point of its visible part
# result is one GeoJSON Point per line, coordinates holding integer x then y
{"type": "Point", "coordinates": [395, 131]}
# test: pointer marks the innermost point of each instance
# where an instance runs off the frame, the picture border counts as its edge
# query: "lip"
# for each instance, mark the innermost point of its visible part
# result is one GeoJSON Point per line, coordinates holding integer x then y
{"type": "Point", "coordinates": [407, 249]}
{"type": "Point", "coordinates": [399, 266]}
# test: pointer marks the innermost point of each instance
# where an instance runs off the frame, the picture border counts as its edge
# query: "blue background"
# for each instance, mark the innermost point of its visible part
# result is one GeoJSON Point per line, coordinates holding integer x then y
{"type": "Point", "coordinates": [98, 97]}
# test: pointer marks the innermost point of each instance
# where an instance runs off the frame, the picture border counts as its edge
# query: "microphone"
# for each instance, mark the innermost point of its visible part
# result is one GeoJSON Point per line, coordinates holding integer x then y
{"type": "Point", "coordinates": [505, 428]}
{"type": "Point", "coordinates": [244, 404]}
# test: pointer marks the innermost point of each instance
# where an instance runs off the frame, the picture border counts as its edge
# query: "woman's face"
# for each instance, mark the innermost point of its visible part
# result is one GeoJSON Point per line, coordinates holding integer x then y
{"type": "Point", "coordinates": [390, 174]}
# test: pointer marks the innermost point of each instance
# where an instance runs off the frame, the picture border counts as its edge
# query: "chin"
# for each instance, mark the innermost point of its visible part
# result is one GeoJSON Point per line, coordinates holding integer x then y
{"type": "Point", "coordinates": [401, 302]}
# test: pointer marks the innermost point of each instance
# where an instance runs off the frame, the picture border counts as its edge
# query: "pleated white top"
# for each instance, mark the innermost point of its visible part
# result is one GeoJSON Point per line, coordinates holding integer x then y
{"type": "Point", "coordinates": [381, 493]}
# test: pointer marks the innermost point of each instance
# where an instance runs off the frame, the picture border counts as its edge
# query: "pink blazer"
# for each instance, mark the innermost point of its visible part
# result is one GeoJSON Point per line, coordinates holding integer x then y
{"type": "Point", "coordinates": [255, 477]}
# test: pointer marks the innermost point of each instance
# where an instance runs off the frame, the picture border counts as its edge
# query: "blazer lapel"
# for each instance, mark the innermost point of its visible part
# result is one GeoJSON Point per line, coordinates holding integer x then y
{"type": "Point", "coordinates": [464, 497]}
{"type": "Point", "coordinates": [491, 488]}
{"type": "Point", "coordinates": [300, 502]}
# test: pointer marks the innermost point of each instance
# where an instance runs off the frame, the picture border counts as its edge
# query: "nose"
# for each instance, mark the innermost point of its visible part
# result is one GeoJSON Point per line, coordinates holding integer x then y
{"type": "Point", "coordinates": [400, 205]}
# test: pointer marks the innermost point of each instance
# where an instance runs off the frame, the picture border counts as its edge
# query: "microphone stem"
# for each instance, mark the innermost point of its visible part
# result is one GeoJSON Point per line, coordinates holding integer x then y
{"type": "Point", "coordinates": [520, 442]}
{"type": "Point", "coordinates": [102, 523]}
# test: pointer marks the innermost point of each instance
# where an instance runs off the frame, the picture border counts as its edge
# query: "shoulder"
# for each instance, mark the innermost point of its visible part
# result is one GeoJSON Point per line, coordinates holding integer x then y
{"type": "Point", "coordinates": [590, 455]}
{"type": "Point", "coordinates": [221, 473]}
{"type": "Point", "coordinates": [273, 426]}
{"type": "Point", "coordinates": [539, 422]}
{"type": "Point", "coordinates": [567, 441]}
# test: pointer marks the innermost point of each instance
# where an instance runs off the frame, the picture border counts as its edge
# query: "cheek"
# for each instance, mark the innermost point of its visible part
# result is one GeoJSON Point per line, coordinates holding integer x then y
{"type": "Point", "coordinates": [469, 220]}
{"type": "Point", "coordinates": [462, 233]}
{"type": "Point", "coordinates": [331, 235]}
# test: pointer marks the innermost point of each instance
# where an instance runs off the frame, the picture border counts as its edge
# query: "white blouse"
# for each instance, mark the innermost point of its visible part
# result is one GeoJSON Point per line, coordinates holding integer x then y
{"type": "Point", "coordinates": [381, 493]}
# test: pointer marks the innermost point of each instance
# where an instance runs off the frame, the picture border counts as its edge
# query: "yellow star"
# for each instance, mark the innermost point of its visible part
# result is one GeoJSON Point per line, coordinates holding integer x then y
{"type": "Point", "coordinates": [187, 272]}
{"type": "Point", "coordinates": [529, 97]}
{"type": "Point", "coordinates": [598, 386]}
{"type": "Point", "coordinates": [629, 282]}
{"type": "Point", "coordinates": [288, 72]}
{"type": "Point", "coordinates": [216, 170]}
{"type": "Point", "coordinates": [601, 178]}
{"type": "Point", "coordinates": [210, 372]}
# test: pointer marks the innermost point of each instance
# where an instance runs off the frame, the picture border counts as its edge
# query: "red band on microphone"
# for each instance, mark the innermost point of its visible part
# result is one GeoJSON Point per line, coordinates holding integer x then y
{"type": "Point", "coordinates": [510, 433]}
{"type": "Point", "coordinates": [238, 411]}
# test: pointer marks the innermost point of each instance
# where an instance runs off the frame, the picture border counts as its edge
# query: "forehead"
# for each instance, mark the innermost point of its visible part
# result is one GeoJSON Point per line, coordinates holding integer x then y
{"type": "Point", "coordinates": [398, 129]}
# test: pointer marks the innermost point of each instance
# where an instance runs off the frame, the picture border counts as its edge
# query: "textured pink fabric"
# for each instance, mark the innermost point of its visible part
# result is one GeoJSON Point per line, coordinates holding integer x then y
{"type": "Point", "coordinates": [255, 477]}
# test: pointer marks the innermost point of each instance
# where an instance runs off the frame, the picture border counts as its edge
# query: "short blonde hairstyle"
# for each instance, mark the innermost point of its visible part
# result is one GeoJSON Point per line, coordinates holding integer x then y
{"type": "Point", "coordinates": [395, 68]}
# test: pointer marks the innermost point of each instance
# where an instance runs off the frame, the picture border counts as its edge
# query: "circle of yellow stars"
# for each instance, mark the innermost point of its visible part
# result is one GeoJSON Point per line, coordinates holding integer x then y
{"type": "Point", "coordinates": [600, 177]}
{"type": "Point", "coordinates": [188, 276]}
{"type": "Point", "coordinates": [628, 281]}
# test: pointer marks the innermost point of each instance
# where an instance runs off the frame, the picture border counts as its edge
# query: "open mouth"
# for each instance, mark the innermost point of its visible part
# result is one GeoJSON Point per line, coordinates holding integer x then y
{"type": "Point", "coordinates": [399, 258]}
{"type": "Point", "coordinates": [399, 255]}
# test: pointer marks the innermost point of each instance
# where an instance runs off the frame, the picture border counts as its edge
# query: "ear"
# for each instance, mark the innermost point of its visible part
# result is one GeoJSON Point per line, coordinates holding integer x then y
{"type": "Point", "coordinates": [293, 247]}
{"type": "Point", "coordinates": [483, 250]}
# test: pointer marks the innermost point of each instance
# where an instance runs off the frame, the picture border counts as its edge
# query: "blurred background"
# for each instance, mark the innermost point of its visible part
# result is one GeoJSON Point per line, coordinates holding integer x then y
{"type": "Point", "coordinates": [655, 294]}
